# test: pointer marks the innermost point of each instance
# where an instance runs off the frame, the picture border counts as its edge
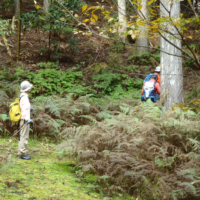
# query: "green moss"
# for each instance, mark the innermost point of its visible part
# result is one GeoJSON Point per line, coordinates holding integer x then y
{"type": "Point", "coordinates": [46, 176]}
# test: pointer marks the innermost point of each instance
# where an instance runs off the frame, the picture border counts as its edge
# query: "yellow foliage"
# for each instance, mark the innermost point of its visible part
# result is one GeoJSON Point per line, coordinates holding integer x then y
{"type": "Point", "coordinates": [110, 19]}
{"type": "Point", "coordinates": [84, 7]}
{"type": "Point", "coordinates": [150, 2]}
{"type": "Point", "coordinates": [37, 7]}
{"type": "Point", "coordinates": [152, 11]}
{"type": "Point", "coordinates": [88, 34]}
{"type": "Point", "coordinates": [139, 7]}
{"type": "Point", "coordinates": [140, 23]}
{"type": "Point", "coordinates": [92, 20]}
{"type": "Point", "coordinates": [62, 19]}
{"type": "Point", "coordinates": [86, 20]}
{"type": "Point", "coordinates": [95, 17]}
{"type": "Point", "coordinates": [42, 18]}
{"type": "Point", "coordinates": [133, 36]}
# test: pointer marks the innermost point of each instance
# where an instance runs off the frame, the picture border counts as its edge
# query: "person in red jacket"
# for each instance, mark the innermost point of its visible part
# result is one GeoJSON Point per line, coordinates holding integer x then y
{"type": "Point", "coordinates": [157, 71]}
{"type": "Point", "coordinates": [150, 89]}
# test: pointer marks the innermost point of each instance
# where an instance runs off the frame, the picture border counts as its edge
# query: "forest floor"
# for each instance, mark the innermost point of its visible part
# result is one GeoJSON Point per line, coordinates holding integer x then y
{"type": "Point", "coordinates": [48, 175]}
{"type": "Point", "coordinates": [43, 177]}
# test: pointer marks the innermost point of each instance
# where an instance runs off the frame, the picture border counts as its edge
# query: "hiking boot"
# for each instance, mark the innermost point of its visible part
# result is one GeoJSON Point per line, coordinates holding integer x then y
{"type": "Point", "coordinates": [24, 157]}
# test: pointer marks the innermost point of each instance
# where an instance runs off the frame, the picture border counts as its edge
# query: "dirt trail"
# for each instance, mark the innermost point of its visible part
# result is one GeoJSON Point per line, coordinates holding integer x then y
{"type": "Point", "coordinates": [46, 176]}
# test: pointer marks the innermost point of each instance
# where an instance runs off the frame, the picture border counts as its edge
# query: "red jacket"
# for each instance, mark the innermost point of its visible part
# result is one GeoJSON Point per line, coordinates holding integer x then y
{"type": "Point", "coordinates": [158, 77]}
{"type": "Point", "coordinates": [156, 88]}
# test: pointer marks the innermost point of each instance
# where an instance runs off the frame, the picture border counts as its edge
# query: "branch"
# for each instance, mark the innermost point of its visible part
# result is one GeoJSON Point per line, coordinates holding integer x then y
{"type": "Point", "coordinates": [192, 8]}
{"type": "Point", "coordinates": [106, 37]}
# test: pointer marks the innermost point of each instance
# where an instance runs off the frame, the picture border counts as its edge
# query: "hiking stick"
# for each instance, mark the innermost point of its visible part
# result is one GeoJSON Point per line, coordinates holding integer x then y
{"type": "Point", "coordinates": [9, 140]}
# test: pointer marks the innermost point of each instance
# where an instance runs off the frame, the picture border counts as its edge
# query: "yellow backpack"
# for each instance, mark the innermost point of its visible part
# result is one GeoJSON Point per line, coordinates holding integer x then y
{"type": "Point", "coordinates": [15, 111]}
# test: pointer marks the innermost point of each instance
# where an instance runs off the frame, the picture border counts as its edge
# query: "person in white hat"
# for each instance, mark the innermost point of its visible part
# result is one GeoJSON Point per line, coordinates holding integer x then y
{"type": "Point", "coordinates": [157, 71]}
{"type": "Point", "coordinates": [25, 107]}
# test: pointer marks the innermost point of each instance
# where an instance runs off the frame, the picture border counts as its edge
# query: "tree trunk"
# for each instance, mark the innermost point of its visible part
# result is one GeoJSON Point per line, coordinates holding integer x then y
{"type": "Point", "coordinates": [46, 5]}
{"type": "Point", "coordinates": [16, 9]}
{"type": "Point", "coordinates": [142, 40]}
{"type": "Point", "coordinates": [171, 66]}
{"type": "Point", "coordinates": [122, 19]}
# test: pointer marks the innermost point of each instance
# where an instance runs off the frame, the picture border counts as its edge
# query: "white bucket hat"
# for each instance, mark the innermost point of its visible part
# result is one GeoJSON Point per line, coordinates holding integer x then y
{"type": "Point", "coordinates": [157, 69]}
{"type": "Point", "coordinates": [25, 86]}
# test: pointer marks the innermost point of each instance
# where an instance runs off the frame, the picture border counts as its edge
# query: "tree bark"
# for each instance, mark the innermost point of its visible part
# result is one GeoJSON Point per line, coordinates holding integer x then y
{"type": "Point", "coordinates": [122, 19]}
{"type": "Point", "coordinates": [171, 66]}
{"type": "Point", "coordinates": [46, 5]}
{"type": "Point", "coordinates": [143, 40]}
{"type": "Point", "coordinates": [16, 9]}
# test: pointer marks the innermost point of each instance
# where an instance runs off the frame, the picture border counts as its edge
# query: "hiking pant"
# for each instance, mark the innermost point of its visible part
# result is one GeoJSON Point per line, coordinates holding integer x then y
{"type": "Point", "coordinates": [23, 139]}
{"type": "Point", "coordinates": [152, 99]}
{"type": "Point", "coordinates": [157, 97]}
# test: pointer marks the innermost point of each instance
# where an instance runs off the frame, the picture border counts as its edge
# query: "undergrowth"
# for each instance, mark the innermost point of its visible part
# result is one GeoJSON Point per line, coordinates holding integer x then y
{"type": "Point", "coordinates": [50, 80]}
{"type": "Point", "coordinates": [136, 147]}
{"type": "Point", "coordinates": [133, 147]}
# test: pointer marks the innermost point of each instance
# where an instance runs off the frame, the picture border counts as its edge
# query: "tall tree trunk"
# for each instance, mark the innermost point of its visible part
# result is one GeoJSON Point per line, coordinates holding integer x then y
{"type": "Point", "coordinates": [46, 5]}
{"type": "Point", "coordinates": [16, 9]}
{"type": "Point", "coordinates": [122, 19]}
{"type": "Point", "coordinates": [19, 30]}
{"type": "Point", "coordinates": [143, 40]}
{"type": "Point", "coordinates": [171, 66]}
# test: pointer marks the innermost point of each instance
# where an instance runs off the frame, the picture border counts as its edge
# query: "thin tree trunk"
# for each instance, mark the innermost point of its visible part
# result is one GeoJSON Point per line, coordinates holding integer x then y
{"type": "Point", "coordinates": [122, 19]}
{"type": "Point", "coordinates": [6, 44]}
{"type": "Point", "coordinates": [171, 66]}
{"type": "Point", "coordinates": [143, 40]}
{"type": "Point", "coordinates": [16, 9]}
{"type": "Point", "coordinates": [46, 5]}
{"type": "Point", "coordinates": [19, 30]}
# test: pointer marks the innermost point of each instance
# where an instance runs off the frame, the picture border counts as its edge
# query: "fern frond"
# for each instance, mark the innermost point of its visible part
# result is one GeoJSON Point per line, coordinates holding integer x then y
{"type": "Point", "coordinates": [94, 121]}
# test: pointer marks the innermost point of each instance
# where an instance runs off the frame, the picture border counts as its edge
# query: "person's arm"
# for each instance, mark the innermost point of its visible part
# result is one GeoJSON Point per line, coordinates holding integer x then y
{"type": "Point", "coordinates": [157, 87]}
{"type": "Point", "coordinates": [158, 79]}
{"type": "Point", "coordinates": [25, 108]}
{"type": "Point", "coordinates": [142, 90]}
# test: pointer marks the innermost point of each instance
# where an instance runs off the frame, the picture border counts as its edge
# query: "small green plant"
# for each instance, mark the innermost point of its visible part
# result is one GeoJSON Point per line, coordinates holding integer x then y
{"type": "Point", "coordinates": [6, 5]}
{"type": "Point", "coordinates": [119, 47]}
{"type": "Point", "coordinates": [189, 62]}
{"type": "Point", "coordinates": [193, 47]}
{"type": "Point", "coordinates": [49, 81]}
{"type": "Point", "coordinates": [73, 45]}
{"type": "Point", "coordinates": [144, 58]}
{"type": "Point", "coordinates": [48, 65]}
{"type": "Point", "coordinates": [114, 59]}
{"type": "Point", "coordinates": [195, 92]}
{"type": "Point", "coordinates": [108, 82]}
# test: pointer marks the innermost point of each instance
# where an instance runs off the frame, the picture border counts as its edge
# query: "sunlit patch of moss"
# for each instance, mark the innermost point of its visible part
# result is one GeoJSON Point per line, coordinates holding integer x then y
{"type": "Point", "coordinates": [43, 177]}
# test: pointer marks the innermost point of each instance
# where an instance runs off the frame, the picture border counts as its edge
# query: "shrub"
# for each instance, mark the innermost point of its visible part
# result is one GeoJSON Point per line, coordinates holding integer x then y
{"type": "Point", "coordinates": [144, 58]}
{"type": "Point", "coordinates": [50, 81]}
{"type": "Point", "coordinates": [119, 47]}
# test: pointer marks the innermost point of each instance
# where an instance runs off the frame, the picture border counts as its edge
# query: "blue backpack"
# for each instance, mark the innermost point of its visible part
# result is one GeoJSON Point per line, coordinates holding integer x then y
{"type": "Point", "coordinates": [148, 91]}
{"type": "Point", "coordinates": [148, 77]}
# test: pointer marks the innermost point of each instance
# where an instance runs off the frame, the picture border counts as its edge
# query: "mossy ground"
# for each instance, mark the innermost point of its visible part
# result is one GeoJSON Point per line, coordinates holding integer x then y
{"type": "Point", "coordinates": [46, 176]}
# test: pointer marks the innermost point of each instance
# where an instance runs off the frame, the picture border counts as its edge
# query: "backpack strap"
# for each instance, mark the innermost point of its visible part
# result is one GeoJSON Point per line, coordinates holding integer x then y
{"type": "Point", "coordinates": [154, 96]}
{"type": "Point", "coordinates": [148, 77]}
{"type": "Point", "coordinates": [21, 97]}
